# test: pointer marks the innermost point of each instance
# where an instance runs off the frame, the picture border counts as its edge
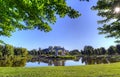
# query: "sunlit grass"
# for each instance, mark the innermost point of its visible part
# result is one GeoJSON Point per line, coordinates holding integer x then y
{"type": "Point", "coordinates": [101, 70]}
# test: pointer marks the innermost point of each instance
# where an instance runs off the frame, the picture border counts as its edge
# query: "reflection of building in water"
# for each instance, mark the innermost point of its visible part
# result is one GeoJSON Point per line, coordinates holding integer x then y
{"type": "Point", "coordinates": [56, 63]}
{"type": "Point", "coordinates": [86, 60]}
{"type": "Point", "coordinates": [52, 62]}
{"type": "Point", "coordinates": [59, 63]}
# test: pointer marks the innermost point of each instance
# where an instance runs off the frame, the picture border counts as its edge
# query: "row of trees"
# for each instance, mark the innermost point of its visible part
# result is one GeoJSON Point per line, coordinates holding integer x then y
{"type": "Point", "coordinates": [51, 50]}
{"type": "Point", "coordinates": [9, 50]}
{"type": "Point", "coordinates": [88, 50]}
{"type": "Point", "coordinates": [35, 52]}
{"type": "Point", "coordinates": [112, 50]}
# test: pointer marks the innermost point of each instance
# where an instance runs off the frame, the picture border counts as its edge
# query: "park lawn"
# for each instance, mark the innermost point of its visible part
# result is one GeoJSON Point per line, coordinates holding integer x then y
{"type": "Point", "coordinates": [101, 70]}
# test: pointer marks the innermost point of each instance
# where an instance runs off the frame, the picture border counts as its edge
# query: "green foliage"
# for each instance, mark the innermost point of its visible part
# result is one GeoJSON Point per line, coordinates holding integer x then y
{"type": "Point", "coordinates": [102, 51]}
{"type": "Point", "coordinates": [2, 42]}
{"type": "Point", "coordinates": [64, 57]}
{"type": "Point", "coordinates": [32, 14]}
{"type": "Point", "coordinates": [20, 51]}
{"type": "Point", "coordinates": [17, 51]}
{"type": "Point", "coordinates": [88, 50]}
{"type": "Point", "coordinates": [24, 51]}
{"type": "Point", "coordinates": [118, 48]}
{"type": "Point", "coordinates": [8, 50]}
{"type": "Point", "coordinates": [112, 50]}
{"type": "Point", "coordinates": [16, 61]}
{"type": "Point", "coordinates": [74, 52]}
{"type": "Point", "coordinates": [34, 52]}
{"type": "Point", "coordinates": [111, 21]}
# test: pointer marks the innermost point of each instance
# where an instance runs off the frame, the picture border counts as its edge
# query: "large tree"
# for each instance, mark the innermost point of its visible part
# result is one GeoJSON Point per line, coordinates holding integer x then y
{"type": "Point", "coordinates": [112, 50]}
{"type": "Point", "coordinates": [32, 14]}
{"type": "Point", "coordinates": [110, 11]}
{"type": "Point", "coordinates": [74, 52]}
{"type": "Point", "coordinates": [88, 50]}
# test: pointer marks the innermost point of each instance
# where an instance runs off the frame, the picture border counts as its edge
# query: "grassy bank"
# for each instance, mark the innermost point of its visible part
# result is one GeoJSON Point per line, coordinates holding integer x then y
{"type": "Point", "coordinates": [63, 57]}
{"type": "Point", "coordinates": [102, 70]}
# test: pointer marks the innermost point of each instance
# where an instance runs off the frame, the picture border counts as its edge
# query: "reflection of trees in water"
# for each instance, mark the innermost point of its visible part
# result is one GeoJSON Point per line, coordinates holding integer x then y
{"type": "Point", "coordinates": [77, 58]}
{"type": "Point", "coordinates": [59, 63]}
{"type": "Point", "coordinates": [90, 60]}
{"type": "Point", "coordinates": [50, 62]}
{"type": "Point", "coordinates": [21, 62]}
{"type": "Point", "coordinates": [98, 60]}
{"type": "Point", "coordinates": [86, 60]}
{"type": "Point", "coordinates": [15, 62]}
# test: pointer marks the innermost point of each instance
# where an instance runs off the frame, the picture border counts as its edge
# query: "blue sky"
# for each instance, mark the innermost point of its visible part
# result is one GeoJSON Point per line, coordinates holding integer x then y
{"type": "Point", "coordinates": [68, 33]}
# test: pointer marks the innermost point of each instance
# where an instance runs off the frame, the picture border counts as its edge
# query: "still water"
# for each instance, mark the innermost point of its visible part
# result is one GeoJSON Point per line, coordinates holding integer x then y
{"type": "Point", "coordinates": [34, 62]}
{"type": "Point", "coordinates": [55, 63]}
{"type": "Point", "coordinates": [76, 62]}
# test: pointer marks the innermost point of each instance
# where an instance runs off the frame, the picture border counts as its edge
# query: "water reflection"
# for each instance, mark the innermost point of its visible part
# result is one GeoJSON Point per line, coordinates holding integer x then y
{"type": "Point", "coordinates": [49, 62]}
{"type": "Point", "coordinates": [13, 62]}
{"type": "Point", "coordinates": [77, 61]}
{"type": "Point", "coordinates": [23, 62]}
{"type": "Point", "coordinates": [99, 60]}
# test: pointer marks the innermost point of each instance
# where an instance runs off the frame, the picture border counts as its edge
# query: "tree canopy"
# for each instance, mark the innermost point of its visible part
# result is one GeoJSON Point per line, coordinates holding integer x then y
{"type": "Point", "coordinates": [109, 10]}
{"type": "Point", "coordinates": [32, 14]}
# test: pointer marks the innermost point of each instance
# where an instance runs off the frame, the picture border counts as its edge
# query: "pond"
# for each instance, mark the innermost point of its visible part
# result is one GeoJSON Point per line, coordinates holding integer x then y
{"type": "Point", "coordinates": [34, 62]}
{"type": "Point", "coordinates": [55, 63]}
{"type": "Point", "coordinates": [76, 62]}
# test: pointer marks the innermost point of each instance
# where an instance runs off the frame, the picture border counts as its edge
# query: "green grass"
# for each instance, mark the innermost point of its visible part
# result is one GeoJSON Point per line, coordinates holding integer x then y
{"type": "Point", "coordinates": [101, 70]}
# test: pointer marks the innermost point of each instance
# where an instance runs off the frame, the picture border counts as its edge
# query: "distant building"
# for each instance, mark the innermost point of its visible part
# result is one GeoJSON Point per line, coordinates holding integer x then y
{"type": "Point", "coordinates": [56, 49]}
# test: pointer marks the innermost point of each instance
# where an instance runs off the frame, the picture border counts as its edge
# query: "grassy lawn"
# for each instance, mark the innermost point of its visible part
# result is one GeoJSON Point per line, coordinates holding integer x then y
{"type": "Point", "coordinates": [101, 70]}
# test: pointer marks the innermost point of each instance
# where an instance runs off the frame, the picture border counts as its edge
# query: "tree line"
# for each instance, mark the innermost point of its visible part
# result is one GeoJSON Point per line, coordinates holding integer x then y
{"type": "Point", "coordinates": [112, 50]}
{"type": "Point", "coordinates": [9, 50]}
{"type": "Point", "coordinates": [51, 50]}
{"type": "Point", "coordinates": [88, 50]}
